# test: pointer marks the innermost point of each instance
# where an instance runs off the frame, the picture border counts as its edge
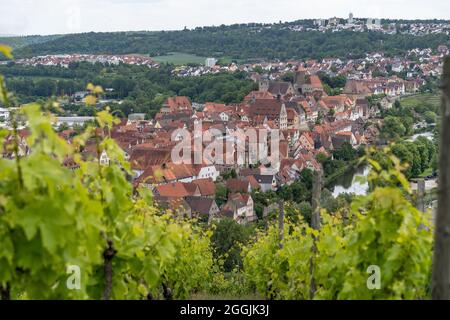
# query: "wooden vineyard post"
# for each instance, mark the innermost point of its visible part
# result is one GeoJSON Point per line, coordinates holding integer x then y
{"type": "Point", "coordinates": [317, 189]}
{"type": "Point", "coordinates": [441, 259]}
{"type": "Point", "coordinates": [421, 195]}
{"type": "Point", "coordinates": [315, 224]}
{"type": "Point", "coordinates": [281, 222]}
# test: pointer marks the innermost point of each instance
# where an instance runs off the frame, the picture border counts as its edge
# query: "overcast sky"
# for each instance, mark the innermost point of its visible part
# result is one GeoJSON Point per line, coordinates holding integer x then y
{"type": "Point", "coordinates": [72, 16]}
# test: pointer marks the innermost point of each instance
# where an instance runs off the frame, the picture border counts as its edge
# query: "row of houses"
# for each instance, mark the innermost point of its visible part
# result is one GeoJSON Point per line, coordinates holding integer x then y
{"type": "Point", "coordinates": [64, 60]}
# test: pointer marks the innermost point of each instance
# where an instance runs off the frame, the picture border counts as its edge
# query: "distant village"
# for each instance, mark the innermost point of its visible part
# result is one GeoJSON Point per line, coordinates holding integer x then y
{"type": "Point", "coordinates": [415, 63]}
{"type": "Point", "coordinates": [335, 24]}
{"type": "Point", "coordinates": [64, 60]}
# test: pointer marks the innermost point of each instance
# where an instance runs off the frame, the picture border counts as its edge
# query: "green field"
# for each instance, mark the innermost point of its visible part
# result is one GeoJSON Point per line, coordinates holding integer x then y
{"type": "Point", "coordinates": [432, 100]}
{"type": "Point", "coordinates": [179, 58]}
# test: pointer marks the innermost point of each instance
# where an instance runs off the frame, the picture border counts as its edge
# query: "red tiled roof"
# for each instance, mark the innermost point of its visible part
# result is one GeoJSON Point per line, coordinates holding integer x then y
{"type": "Point", "coordinates": [178, 103]}
{"type": "Point", "coordinates": [143, 157]}
{"type": "Point", "coordinates": [253, 183]}
{"type": "Point", "coordinates": [215, 107]}
{"type": "Point", "coordinates": [191, 188]}
{"type": "Point", "coordinates": [291, 113]}
{"type": "Point", "coordinates": [308, 137]}
{"type": "Point", "coordinates": [156, 175]}
{"type": "Point", "coordinates": [315, 82]}
{"type": "Point", "coordinates": [238, 185]}
{"type": "Point", "coordinates": [206, 186]}
{"type": "Point", "coordinates": [345, 133]}
{"type": "Point", "coordinates": [266, 107]}
{"type": "Point", "coordinates": [172, 190]}
{"type": "Point", "coordinates": [258, 95]}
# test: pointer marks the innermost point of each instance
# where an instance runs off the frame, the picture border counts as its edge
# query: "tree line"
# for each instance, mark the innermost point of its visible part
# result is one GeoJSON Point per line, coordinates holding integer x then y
{"type": "Point", "coordinates": [142, 89]}
{"type": "Point", "coordinates": [237, 42]}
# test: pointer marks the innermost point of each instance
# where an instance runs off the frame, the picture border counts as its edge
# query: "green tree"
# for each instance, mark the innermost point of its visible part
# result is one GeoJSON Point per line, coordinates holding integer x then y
{"type": "Point", "coordinates": [227, 238]}
{"type": "Point", "coordinates": [221, 194]}
{"type": "Point", "coordinates": [288, 77]}
{"type": "Point", "coordinates": [346, 152]}
{"type": "Point", "coordinates": [305, 209]}
{"type": "Point", "coordinates": [430, 117]}
{"type": "Point", "coordinates": [392, 128]}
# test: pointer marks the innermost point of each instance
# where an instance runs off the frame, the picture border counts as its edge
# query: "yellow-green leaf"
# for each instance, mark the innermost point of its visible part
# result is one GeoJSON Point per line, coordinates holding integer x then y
{"type": "Point", "coordinates": [6, 50]}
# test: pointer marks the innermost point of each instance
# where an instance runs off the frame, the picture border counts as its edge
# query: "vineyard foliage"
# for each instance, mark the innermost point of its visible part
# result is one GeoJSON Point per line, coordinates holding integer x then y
{"type": "Point", "coordinates": [53, 217]}
{"type": "Point", "coordinates": [381, 229]}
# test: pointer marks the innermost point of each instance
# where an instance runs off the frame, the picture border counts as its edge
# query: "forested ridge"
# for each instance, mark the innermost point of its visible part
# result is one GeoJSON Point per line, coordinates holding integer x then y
{"type": "Point", "coordinates": [22, 41]}
{"type": "Point", "coordinates": [237, 42]}
{"type": "Point", "coordinates": [142, 89]}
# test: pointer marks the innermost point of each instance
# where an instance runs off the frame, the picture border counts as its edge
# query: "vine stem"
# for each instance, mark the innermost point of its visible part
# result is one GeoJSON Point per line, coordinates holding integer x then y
{"type": "Point", "coordinates": [108, 256]}
{"type": "Point", "coordinates": [315, 224]}
{"type": "Point", "coordinates": [167, 293]}
{"type": "Point", "coordinates": [16, 153]}
{"type": "Point", "coordinates": [7, 103]}
{"type": "Point", "coordinates": [280, 223]}
{"type": "Point", "coordinates": [5, 292]}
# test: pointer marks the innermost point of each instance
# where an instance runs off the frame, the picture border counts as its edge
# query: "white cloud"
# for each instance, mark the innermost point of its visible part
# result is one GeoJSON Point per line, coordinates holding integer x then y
{"type": "Point", "coordinates": [68, 16]}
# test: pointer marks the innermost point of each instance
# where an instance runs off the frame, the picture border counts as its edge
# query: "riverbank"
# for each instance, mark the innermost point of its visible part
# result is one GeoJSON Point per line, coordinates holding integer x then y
{"type": "Point", "coordinates": [353, 181]}
{"type": "Point", "coordinates": [352, 165]}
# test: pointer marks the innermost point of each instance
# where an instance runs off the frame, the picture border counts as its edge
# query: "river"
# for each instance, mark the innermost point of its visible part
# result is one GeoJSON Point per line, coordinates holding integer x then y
{"type": "Point", "coordinates": [355, 181]}
{"type": "Point", "coordinates": [428, 135]}
{"type": "Point", "coordinates": [350, 182]}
